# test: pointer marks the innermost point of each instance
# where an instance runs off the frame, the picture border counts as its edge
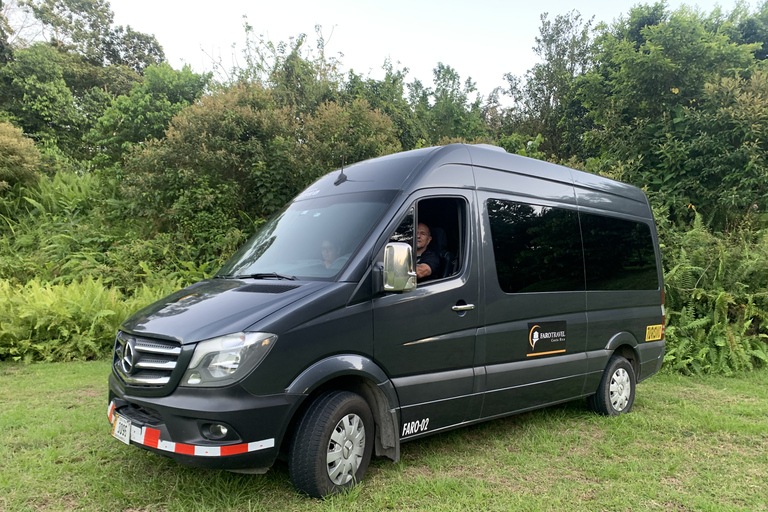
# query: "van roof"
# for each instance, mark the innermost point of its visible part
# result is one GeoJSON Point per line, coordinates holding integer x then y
{"type": "Point", "coordinates": [480, 167]}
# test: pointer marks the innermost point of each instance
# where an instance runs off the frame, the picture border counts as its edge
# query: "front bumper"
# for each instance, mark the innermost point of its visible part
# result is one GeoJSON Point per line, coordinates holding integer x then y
{"type": "Point", "coordinates": [175, 425]}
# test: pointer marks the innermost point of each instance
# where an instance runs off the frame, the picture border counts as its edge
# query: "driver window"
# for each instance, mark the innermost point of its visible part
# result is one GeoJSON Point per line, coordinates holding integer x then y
{"type": "Point", "coordinates": [404, 232]}
{"type": "Point", "coordinates": [437, 233]}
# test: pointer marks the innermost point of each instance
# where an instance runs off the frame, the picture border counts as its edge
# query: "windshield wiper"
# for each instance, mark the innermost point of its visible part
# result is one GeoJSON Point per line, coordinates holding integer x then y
{"type": "Point", "coordinates": [260, 275]}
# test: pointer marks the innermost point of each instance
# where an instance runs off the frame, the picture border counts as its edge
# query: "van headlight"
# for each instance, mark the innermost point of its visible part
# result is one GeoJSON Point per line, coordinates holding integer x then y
{"type": "Point", "coordinates": [225, 360]}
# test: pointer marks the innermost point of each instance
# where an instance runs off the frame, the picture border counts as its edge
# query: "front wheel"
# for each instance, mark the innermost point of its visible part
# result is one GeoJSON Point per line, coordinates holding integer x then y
{"type": "Point", "coordinates": [616, 392]}
{"type": "Point", "coordinates": [332, 444]}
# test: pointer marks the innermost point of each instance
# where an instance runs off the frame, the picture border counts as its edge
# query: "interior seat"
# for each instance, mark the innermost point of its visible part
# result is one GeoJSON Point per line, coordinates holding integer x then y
{"type": "Point", "coordinates": [439, 244]}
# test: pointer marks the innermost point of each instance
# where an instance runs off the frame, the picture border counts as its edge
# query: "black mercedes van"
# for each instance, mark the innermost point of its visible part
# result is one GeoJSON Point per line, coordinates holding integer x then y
{"type": "Point", "coordinates": [317, 342]}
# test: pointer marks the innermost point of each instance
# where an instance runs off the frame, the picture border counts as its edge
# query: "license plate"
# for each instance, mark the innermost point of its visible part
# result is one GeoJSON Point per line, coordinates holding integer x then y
{"type": "Point", "coordinates": [121, 429]}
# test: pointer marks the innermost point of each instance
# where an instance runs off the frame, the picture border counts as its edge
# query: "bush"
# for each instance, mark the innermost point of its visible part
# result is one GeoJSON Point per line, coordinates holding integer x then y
{"type": "Point", "coordinates": [72, 226]}
{"type": "Point", "coordinates": [717, 303]}
{"type": "Point", "coordinates": [237, 154]}
{"type": "Point", "coordinates": [56, 322]}
{"type": "Point", "coordinates": [18, 157]}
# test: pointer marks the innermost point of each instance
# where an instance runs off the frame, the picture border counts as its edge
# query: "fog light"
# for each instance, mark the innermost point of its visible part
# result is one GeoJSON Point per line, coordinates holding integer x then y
{"type": "Point", "coordinates": [217, 431]}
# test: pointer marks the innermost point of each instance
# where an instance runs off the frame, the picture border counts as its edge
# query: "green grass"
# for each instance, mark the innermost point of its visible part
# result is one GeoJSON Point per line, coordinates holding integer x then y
{"type": "Point", "coordinates": [690, 444]}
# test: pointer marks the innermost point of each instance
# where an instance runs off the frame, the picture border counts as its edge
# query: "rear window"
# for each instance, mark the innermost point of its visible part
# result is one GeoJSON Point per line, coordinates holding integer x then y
{"type": "Point", "coordinates": [539, 249]}
{"type": "Point", "coordinates": [619, 254]}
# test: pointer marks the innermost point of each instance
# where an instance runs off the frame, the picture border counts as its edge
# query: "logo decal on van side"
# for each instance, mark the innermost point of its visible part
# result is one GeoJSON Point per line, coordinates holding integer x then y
{"type": "Point", "coordinates": [546, 338]}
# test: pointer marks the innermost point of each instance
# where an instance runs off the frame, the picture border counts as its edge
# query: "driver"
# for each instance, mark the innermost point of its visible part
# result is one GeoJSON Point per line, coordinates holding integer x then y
{"type": "Point", "coordinates": [427, 260]}
{"type": "Point", "coordinates": [329, 251]}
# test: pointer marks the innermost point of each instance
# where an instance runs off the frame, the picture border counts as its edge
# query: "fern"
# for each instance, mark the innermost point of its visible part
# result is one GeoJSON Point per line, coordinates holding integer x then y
{"type": "Point", "coordinates": [57, 322]}
{"type": "Point", "coordinates": [717, 302]}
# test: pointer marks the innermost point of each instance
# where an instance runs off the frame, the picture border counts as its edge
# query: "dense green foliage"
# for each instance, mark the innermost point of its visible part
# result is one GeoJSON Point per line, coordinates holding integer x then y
{"type": "Point", "coordinates": [57, 322]}
{"type": "Point", "coordinates": [145, 111]}
{"type": "Point", "coordinates": [18, 157]}
{"type": "Point", "coordinates": [121, 178]}
{"type": "Point", "coordinates": [716, 299]}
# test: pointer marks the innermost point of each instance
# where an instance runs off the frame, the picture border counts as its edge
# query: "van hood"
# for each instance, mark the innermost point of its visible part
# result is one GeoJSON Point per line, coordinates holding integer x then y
{"type": "Point", "coordinates": [215, 307]}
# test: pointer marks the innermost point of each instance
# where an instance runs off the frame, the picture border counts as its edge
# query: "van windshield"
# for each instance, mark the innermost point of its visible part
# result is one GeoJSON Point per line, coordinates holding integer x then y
{"type": "Point", "coordinates": [309, 239]}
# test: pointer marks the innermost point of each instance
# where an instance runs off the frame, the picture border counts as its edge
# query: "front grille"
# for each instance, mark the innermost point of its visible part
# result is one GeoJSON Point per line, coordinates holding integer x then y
{"type": "Point", "coordinates": [138, 414]}
{"type": "Point", "coordinates": [147, 362]}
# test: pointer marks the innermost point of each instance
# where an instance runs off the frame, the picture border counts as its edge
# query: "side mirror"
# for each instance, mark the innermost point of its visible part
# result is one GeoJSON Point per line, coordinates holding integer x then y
{"type": "Point", "coordinates": [399, 273]}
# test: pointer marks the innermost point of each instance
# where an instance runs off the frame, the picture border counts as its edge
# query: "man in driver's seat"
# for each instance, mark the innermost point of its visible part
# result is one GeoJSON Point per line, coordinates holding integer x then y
{"type": "Point", "coordinates": [427, 260]}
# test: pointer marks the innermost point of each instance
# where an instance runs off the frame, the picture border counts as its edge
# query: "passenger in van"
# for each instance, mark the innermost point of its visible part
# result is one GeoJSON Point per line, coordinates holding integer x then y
{"type": "Point", "coordinates": [427, 260]}
{"type": "Point", "coordinates": [329, 252]}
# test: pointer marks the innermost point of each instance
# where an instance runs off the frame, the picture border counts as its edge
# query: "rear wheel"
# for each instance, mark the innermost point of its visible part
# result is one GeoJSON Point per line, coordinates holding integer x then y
{"type": "Point", "coordinates": [332, 444]}
{"type": "Point", "coordinates": [616, 392]}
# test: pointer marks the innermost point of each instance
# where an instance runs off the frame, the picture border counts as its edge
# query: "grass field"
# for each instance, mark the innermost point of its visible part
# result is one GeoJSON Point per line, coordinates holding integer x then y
{"type": "Point", "coordinates": [689, 444]}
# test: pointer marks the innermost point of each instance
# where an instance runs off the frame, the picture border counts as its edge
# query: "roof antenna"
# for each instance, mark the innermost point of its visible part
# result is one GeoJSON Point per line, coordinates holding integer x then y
{"type": "Point", "coordinates": [342, 177]}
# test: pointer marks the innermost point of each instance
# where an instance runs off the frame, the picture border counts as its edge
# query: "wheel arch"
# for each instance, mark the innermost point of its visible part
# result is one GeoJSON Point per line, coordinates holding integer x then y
{"type": "Point", "coordinates": [624, 344]}
{"type": "Point", "coordinates": [359, 375]}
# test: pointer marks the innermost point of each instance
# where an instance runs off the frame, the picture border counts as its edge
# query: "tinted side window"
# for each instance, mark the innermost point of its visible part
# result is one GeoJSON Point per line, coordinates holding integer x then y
{"type": "Point", "coordinates": [537, 248]}
{"type": "Point", "coordinates": [619, 254]}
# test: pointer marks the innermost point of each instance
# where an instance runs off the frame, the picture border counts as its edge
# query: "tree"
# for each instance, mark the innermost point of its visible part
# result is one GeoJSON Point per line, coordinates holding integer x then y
{"type": "Point", "coordinates": [58, 89]}
{"type": "Point", "coordinates": [446, 113]}
{"type": "Point", "coordinates": [136, 50]}
{"type": "Point", "coordinates": [145, 112]}
{"type": "Point", "coordinates": [642, 81]}
{"type": "Point", "coordinates": [238, 151]}
{"type": "Point", "coordinates": [752, 28]}
{"type": "Point", "coordinates": [35, 94]}
{"type": "Point", "coordinates": [638, 88]}
{"type": "Point", "coordinates": [545, 101]}
{"type": "Point", "coordinates": [82, 25]}
{"type": "Point", "coordinates": [452, 114]}
{"type": "Point", "coordinates": [300, 78]}
{"type": "Point", "coordinates": [22, 27]}
{"type": "Point", "coordinates": [717, 158]}
{"type": "Point", "coordinates": [5, 30]}
{"type": "Point", "coordinates": [341, 134]}
{"type": "Point", "coordinates": [388, 96]}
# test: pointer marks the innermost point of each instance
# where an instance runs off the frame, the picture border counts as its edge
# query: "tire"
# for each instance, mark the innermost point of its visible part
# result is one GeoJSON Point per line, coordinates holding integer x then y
{"type": "Point", "coordinates": [331, 445]}
{"type": "Point", "coordinates": [616, 392]}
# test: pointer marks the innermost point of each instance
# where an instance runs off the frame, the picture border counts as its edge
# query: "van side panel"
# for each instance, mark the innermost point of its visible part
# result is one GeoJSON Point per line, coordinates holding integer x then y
{"type": "Point", "coordinates": [523, 382]}
{"type": "Point", "coordinates": [517, 376]}
{"type": "Point", "coordinates": [651, 358]}
{"type": "Point", "coordinates": [607, 323]}
{"type": "Point", "coordinates": [508, 163]}
{"type": "Point", "coordinates": [522, 385]}
{"type": "Point", "coordinates": [602, 202]}
{"type": "Point", "coordinates": [524, 187]}
{"type": "Point", "coordinates": [598, 186]}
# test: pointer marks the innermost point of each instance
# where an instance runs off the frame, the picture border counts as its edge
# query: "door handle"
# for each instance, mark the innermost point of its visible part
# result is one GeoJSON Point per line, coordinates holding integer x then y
{"type": "Point", "coordinates": [463, 307]}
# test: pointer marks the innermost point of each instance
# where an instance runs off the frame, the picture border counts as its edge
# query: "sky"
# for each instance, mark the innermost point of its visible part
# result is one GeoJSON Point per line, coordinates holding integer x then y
{"type": "Point", "coordinates": [481, 39]}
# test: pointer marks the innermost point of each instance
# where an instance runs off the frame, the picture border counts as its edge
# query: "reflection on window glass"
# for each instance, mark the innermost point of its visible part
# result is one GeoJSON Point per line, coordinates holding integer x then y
{"type": "Point", "coordinates": [619, 254]}
{"type": "Point", "coordinates": [310, 238]}
{"type": "Point", "coordinates": [404, 232]}
{"type": "Point", "coordinates": [537, 248]}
